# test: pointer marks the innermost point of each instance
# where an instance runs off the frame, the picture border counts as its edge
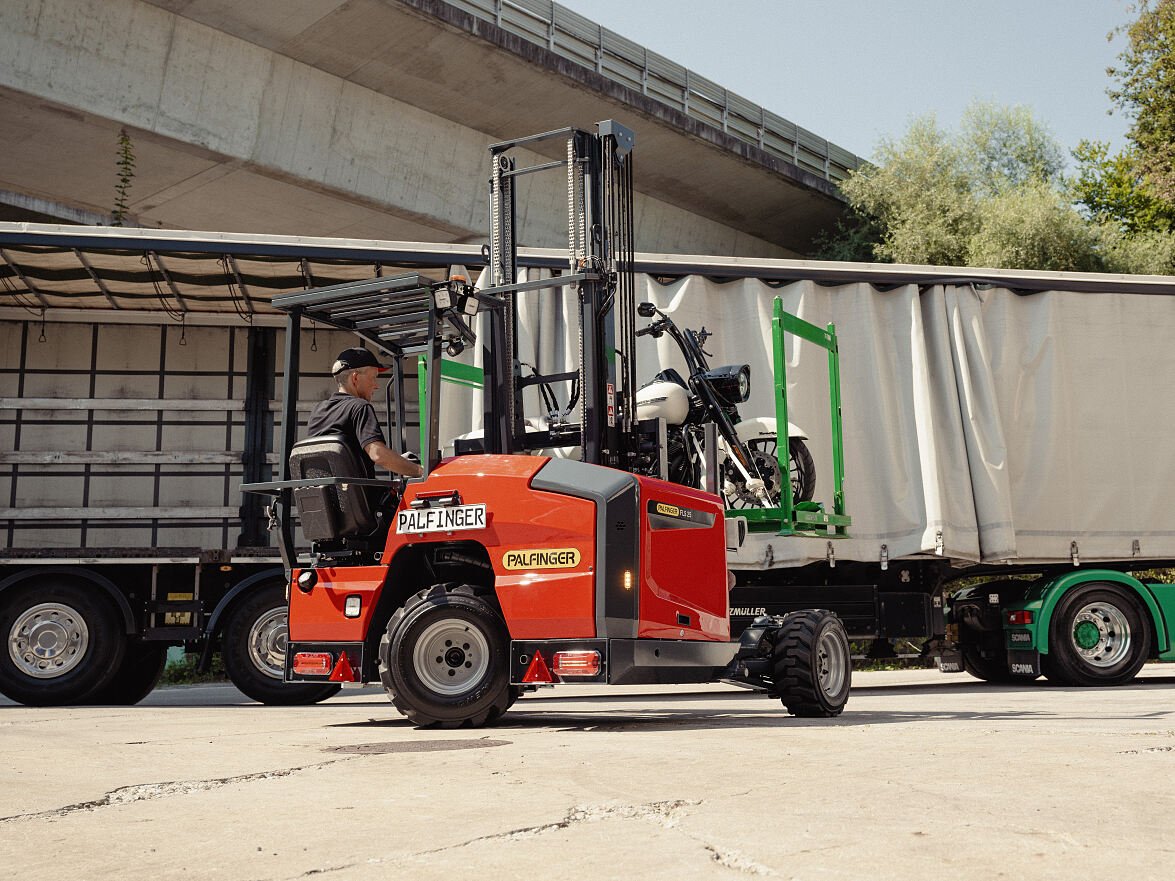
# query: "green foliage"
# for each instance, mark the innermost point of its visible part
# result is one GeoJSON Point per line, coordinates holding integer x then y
{"type": "Point", "coordinates": [920, 195]}
{"type": "Point", "coordinates": [1034, 226]}
{"type": "Point", "coordinates": [126, 171]}
{"type": "Point", "coordinates": [185, 673]}
{"type": "Point", "coordinates": [1112, 191]}
{"type": "Point", "coordinates": [993, 195]}
{"type": "Point", "coordinates": [1146, 91]}
{"type": "Point", "coordinates": [1004, 148]}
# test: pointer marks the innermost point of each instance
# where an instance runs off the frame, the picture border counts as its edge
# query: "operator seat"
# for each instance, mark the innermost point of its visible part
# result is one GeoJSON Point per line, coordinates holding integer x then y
{"type": "Point", "coordinates": [330, 513]}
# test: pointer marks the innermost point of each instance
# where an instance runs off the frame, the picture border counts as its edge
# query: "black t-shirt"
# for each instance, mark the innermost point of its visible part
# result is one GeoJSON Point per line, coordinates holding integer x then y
{"type": "Point", "coordinates": [352, 417]}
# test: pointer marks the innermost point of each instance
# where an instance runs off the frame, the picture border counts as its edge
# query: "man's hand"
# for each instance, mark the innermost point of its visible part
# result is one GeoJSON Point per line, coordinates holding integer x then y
{"type": "Point", "coordinates": [385, 457]}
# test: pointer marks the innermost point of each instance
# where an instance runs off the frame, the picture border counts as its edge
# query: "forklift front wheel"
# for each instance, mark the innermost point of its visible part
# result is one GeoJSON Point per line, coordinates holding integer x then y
{"type": "Point", "coordinates": [811, 663]}
{"type": "Point", "coordinates": [444, 659]}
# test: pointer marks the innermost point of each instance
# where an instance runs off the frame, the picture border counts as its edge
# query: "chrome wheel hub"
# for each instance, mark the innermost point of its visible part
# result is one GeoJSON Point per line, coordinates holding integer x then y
{"type": "Point", "coordinates": [1101, 634]}
{"type": "Point", "coordinates": [451, 656]}
{"type": "Point", "coordinates": [48, 640]}
{"type": "Point", "coordinates": [267, 642]}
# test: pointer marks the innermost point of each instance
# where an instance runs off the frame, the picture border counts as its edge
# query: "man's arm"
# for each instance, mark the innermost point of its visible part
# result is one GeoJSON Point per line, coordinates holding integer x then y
{"type": "Point", "coordinates": [385, 457]}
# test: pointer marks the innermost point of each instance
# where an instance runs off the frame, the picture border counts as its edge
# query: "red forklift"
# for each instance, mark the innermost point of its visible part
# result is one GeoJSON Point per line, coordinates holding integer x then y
{"type": "Point", "coordinates": [504, 569]}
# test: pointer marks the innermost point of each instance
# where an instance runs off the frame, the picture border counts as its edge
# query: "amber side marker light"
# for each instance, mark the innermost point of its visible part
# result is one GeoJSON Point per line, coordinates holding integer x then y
{"type": "Point", "coordinates": [576, 663]}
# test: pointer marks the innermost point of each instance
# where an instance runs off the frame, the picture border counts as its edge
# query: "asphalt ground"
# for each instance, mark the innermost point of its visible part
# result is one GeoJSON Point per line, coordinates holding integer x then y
{"type": "Point", "coordinates": [924, 776]}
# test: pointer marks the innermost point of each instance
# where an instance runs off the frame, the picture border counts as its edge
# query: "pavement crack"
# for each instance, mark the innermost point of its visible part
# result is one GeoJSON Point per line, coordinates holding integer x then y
{"type": "Point", "coordinates": [149, 791]}
{"type": "Point", "coordinates": [732, 859]}
{"type": "Point", "coordinates": [661, 813]}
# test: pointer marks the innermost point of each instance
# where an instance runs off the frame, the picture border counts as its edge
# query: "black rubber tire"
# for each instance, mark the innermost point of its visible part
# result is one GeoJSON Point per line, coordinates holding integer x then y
{"type": "Point", "coordinates": [1065, 662]}
{"type": "Point", "coordinates": [244, 664]}
{"type": "Point", "coordinates": [485, 697]}
{"type": "Point", "coordinates": [802, 470]}
{"type": "Point", "coordinates": [811, 664]}
{"type": "Point", "coordinates": [989, 669]}
{"type": "Point", "coordinates": [96, 661]}
{"type": "Point", "coordinates": [136, 677]}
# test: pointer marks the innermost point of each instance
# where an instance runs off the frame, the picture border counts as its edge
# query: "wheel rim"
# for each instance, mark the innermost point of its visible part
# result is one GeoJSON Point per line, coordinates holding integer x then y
{"type": "Point", "coordinates": [451, 656]}
{"type": "Point", "coordinates": [765, 463]}
{"type": "Point", "coordinates": [1101, 635]}
{"type": "Point", "coordinates": [48, 640]}
{"type": "Point", "coordinates": [831, 664]}
{"type": "Point", "coordinates": [267, 642]}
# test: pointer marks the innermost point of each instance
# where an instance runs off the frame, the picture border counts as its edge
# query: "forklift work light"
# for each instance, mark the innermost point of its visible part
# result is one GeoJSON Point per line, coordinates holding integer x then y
{"type": "Point", "coordinates": [352, 606]}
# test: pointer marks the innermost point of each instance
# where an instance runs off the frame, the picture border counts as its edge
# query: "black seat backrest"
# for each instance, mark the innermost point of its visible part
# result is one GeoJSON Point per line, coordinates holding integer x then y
{"type": "Point", "coordinates": [329, 512]}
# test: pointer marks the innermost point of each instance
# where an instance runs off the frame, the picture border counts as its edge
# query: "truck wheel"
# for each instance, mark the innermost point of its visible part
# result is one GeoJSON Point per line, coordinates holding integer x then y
{"type": "Point", "coordinates": [444, 659]}
{"type": "Point", "coordinates": [136, 677]}
{"type": "Point", "coordinates": [1097, 636]}
{"type": "Point", "coordinates": [62, 643]}
{"type": "Point", "coordinates": [989, 668]}
{"type": "Point", "coordinates": [811, 666]}
{"type": "Point", "coordinates": [255, 651]}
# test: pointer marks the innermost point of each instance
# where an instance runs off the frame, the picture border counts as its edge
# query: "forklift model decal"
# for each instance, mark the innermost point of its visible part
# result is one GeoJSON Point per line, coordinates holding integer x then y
{"type": "Point", "coordinates": [441, 519]}
{"type": "Point", "coordinates": [666, 516]}
{"type": "Point", "coordinates": [541, 558]}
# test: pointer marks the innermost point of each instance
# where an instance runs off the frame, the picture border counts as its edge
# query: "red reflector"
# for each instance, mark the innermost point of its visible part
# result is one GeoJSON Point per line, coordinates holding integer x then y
{"type": "Point", "coordinates": [576, 663]}
{"type": "Point", "coordinates": [1020, 616]}
{"type": "Point", "coordinates": [342, 671]}
{"type": "Point", "coordinates": [312, 663]}
{"type": "Point", "coordinates": [538, 671]}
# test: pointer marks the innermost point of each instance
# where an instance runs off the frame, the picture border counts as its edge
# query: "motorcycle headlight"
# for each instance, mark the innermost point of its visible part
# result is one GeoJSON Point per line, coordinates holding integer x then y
{"type": "Point", "coordinates": [731, 383]}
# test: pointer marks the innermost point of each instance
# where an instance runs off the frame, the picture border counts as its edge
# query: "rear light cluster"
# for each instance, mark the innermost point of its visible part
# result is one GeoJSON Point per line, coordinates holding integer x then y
{"type": "Point", "coordinates": [1020, 617]}
{"type": "Point", "coordinates": [324, 664]}
{"type": "Point", "coordinates": [579, 662]}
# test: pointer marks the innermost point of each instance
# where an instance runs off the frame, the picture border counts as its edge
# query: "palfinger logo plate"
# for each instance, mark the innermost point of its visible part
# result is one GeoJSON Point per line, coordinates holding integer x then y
{"type": "Point", "coordinates": [541, 558]}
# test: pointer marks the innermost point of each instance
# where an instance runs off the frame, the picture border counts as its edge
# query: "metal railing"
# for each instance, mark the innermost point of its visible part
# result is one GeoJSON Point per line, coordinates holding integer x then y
{"type": "Point", "coordinates": [579, 39]}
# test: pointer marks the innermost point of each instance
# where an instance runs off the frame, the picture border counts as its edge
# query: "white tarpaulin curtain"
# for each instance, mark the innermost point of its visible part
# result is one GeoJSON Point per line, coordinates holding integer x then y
{"type": "Point", "coordinates": [981, 424]}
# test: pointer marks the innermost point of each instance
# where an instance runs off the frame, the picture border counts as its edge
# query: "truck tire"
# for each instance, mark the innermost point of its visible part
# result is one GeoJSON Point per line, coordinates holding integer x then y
{"type": "Point", "coordinates": [1098, 635]}
{"type": "Point", "coordinates": [444, 659]}
{"type": "Point", "coordinates": [254, 650]}
{"type": "Point", "coordinates": [811, 666]}
{"type": "Point", "coordinates": [989, 668]}
{"type": "Point", "coordinates": [136, 677]}
{"type": "Point", "coordinates": [62, 642]}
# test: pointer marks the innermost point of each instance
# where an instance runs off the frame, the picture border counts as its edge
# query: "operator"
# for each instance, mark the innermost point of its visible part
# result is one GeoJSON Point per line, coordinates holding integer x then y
{"type": "Point", "coordinates": [349, 412]}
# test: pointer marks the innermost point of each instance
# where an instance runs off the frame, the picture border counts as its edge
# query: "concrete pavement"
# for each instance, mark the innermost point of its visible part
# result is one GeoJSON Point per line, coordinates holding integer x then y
{"type": "Point", "coordinates": [924, 775]}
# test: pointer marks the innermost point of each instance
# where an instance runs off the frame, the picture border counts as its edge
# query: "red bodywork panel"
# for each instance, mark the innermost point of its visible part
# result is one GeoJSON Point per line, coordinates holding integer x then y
{"type": "Point", "coordinates": [683, 563]}
{"type": "Point", "coordinates": [542, 546]}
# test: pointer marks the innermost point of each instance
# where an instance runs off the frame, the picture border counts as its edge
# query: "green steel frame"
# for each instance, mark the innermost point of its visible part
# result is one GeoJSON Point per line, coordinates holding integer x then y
{"type": "Point", "coordinates": [806, 518]}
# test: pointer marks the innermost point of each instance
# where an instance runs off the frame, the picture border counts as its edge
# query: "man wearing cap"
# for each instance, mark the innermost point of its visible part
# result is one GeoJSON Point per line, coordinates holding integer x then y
{"type": "Point", "coordinates": [349, 412]}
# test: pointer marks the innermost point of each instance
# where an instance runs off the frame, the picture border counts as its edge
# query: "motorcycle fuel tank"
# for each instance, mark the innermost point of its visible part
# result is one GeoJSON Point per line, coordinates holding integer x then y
{"type": "Point", "coordinates": [663, 399]}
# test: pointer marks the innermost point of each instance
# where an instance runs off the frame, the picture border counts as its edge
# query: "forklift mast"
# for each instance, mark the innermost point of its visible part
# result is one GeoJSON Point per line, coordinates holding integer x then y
{"type": "Point", "coordinates": [600, 260]}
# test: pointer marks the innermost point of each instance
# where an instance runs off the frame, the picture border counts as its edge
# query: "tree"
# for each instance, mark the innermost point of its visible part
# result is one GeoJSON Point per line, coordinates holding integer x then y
{"type": "Point", "coordinates": [1146, 91]}
{"type": "Point", "coordinates": [919, 195]}
{"type": "Point", "coordinates": [1006, 147]}
{"type": "Point", "coordinates": [1112, 191]}
{"type": "Point", "coordinates": [1034, 226]}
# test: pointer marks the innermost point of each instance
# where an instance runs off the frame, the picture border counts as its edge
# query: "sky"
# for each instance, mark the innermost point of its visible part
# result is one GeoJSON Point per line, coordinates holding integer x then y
{"type": "Point", "coordinates": [853, 71]}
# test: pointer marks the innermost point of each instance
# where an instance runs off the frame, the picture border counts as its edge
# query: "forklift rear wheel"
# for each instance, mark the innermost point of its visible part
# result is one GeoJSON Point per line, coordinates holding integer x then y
{"type": "Point", "coordinates": [62, 642]}
{"type": "Point", "coordinates": [255, 651]}
{"type": "Point", "coordinates": [444, 659]}
{"type": "Point", "coordinates": [811, 664]}
{"type": "Point", "coordinates": [136, 677]}
{"type": "Point", "coordinates": [1097, 636]}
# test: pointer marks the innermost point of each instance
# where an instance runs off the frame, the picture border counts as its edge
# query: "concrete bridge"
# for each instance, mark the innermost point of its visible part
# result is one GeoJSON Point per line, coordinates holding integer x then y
{"type": "Point", "coordinates": [371, 118]}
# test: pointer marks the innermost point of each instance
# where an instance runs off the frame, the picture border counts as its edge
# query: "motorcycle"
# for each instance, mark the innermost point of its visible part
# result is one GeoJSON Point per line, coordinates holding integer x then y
{"type": "Point", "coordinates": [748, 470]}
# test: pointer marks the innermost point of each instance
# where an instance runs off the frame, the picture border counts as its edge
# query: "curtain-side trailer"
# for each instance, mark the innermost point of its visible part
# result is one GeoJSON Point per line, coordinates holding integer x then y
{"type": "Point", "coordinates": [998, 425]}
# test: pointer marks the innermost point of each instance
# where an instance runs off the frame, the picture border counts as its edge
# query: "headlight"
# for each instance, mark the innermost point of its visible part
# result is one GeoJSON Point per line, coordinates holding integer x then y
{"type": "Point", "coordinates": [744, 383]}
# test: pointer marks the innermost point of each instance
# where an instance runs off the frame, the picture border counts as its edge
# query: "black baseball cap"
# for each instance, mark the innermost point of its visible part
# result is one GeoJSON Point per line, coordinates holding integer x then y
{"type": "Point", "coordinates": [349, 359]}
